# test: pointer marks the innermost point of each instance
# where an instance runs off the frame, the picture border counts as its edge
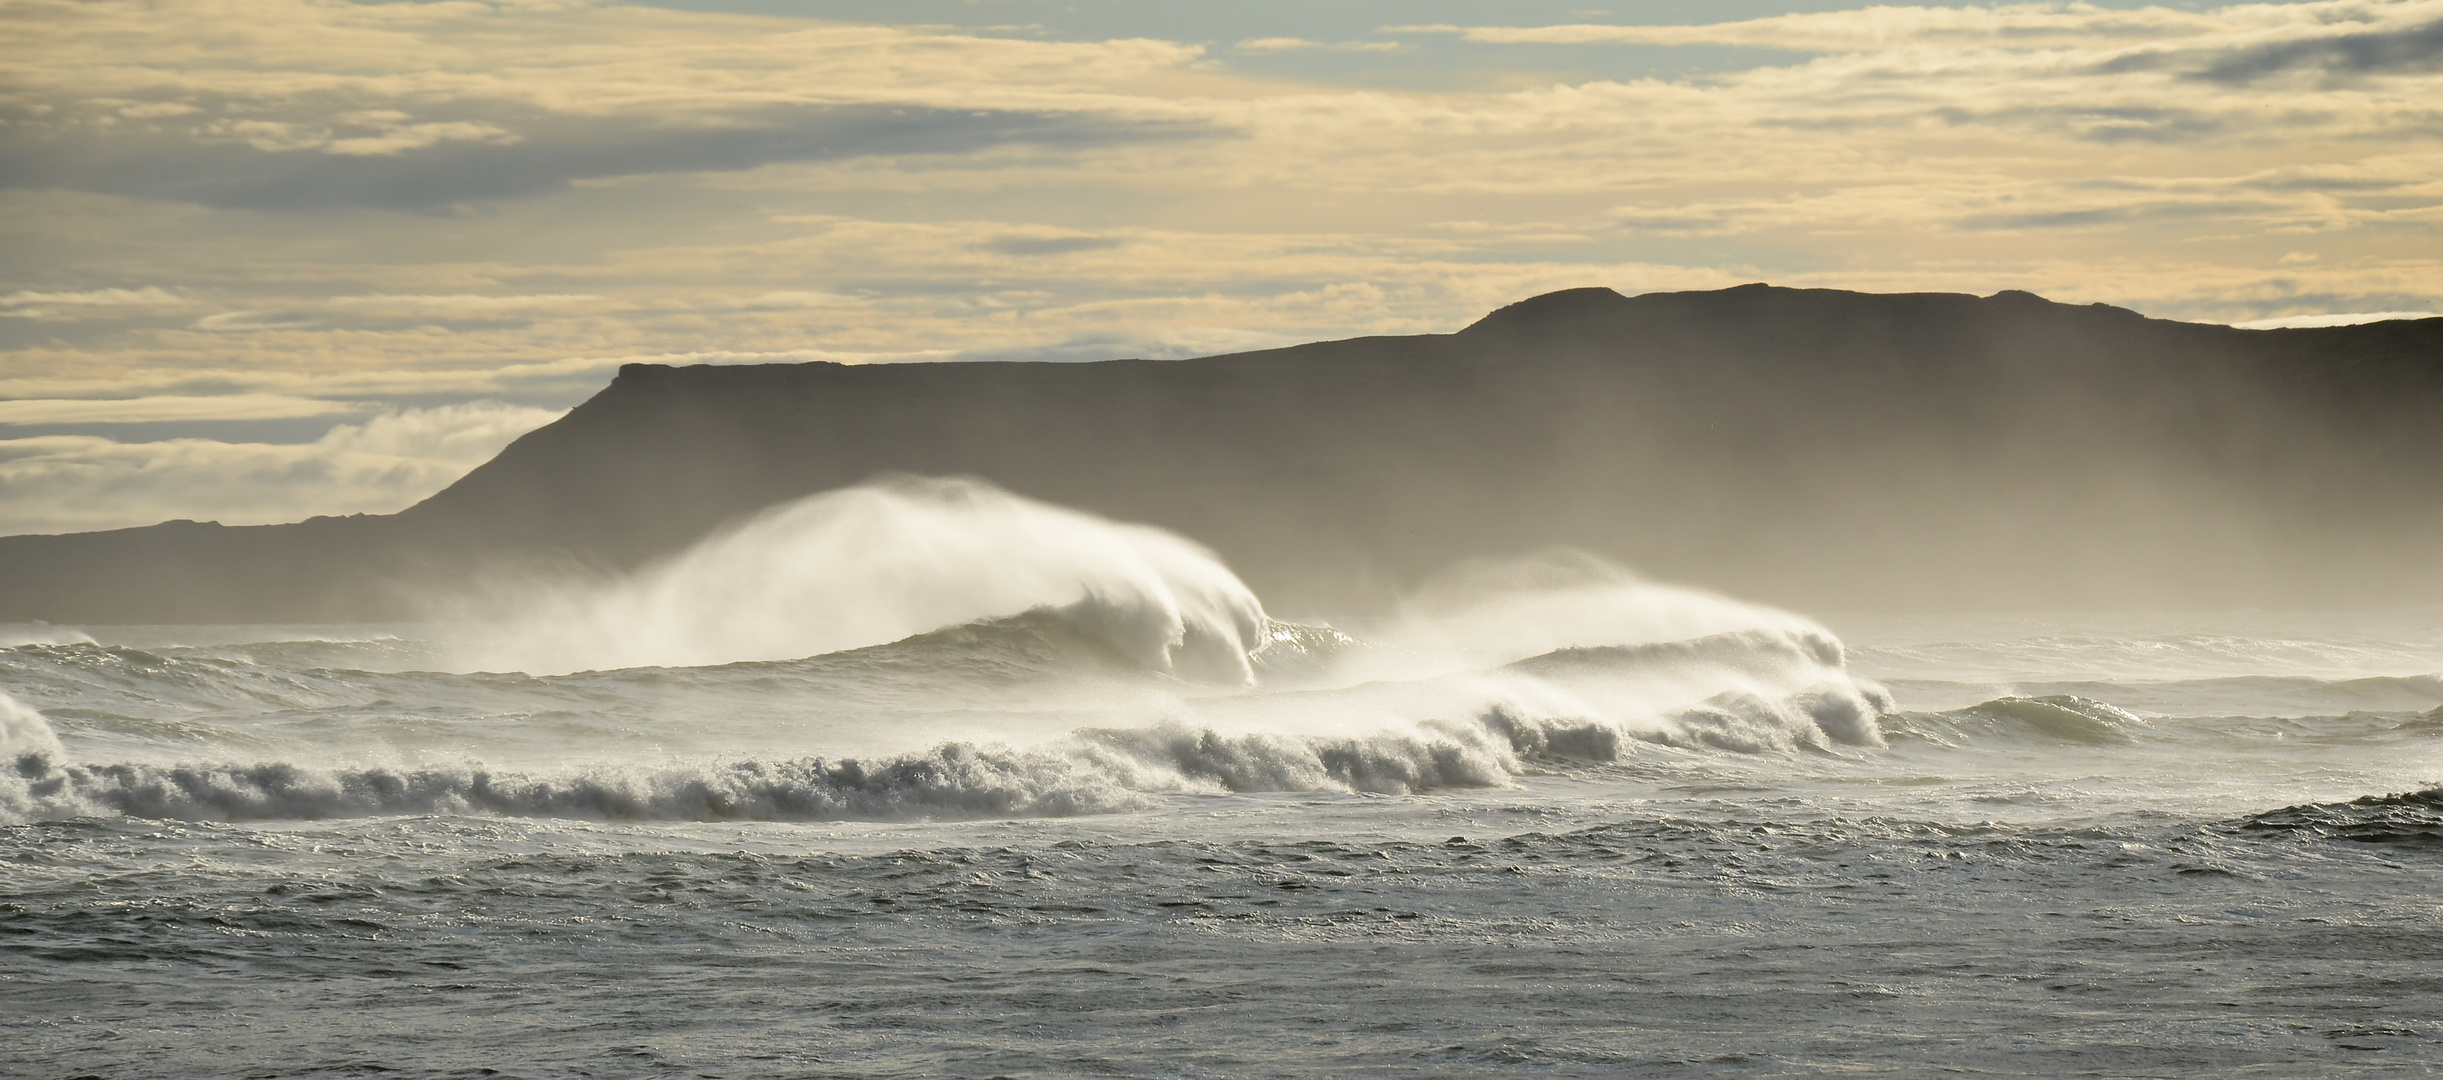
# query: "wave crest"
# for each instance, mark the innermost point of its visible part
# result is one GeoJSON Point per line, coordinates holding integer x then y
{"type": "Point", "coordinates": [2053, 718]}
{"type": "Point", "coordinates": [1093, 771]}
{"type": "Point", "coordinates": [880, 562]}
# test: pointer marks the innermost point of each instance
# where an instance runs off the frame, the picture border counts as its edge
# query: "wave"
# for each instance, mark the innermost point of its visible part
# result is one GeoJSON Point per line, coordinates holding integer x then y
{"type": "Point", "coordinates": [877, 563]}
{"type": "Point", "coordinates": [1749, 690]}
{"type": "Point", "coordinates": [2137, 648]}
{"type": "Point", "coordinates": [2410, 819]}
{"type": "Point", "coordinates": [13, 635]}
{"type": "Point", "coordinates": [1030, 660]}
{"type": "Point", "coordinates": [25, 737]}
{"type": "Point", "coordinates": [1752, 692]}
{"type": "Point", "coordinates": [2258, 696]}
{"type": "Point", "coordinates": [1092, 771]}
{"type": "Point", "coordinates": [2051, 718]}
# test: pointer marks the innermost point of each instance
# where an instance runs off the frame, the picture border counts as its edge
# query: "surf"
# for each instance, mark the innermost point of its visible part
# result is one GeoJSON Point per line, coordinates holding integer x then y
{"type": "Point", "coordinates": [932, 648]}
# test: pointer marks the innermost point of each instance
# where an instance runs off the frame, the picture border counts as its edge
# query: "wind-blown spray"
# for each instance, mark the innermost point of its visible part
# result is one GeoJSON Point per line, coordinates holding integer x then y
{"type": "Point", "coordinates": [886, 560]}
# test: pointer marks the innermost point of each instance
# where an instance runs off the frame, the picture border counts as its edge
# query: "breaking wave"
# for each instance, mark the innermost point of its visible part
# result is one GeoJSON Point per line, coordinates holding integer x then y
{"type": "Point", "coordinates": [1092, 771]}
{"type": "Point", "coordinates": [13, 635]}
{"type": "Point", "coordinates": [1749, 691]}
{"type": "Point", "coordinates": [915, 648]}
{"type": "Point", "coordinates": [2051, 718]}
{"type": "Point", "coordinates": [880, 562]}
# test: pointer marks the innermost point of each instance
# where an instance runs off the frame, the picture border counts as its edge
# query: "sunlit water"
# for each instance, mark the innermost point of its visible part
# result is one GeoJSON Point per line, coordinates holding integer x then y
{"type": "Point", "coordinates": [1546, 820]}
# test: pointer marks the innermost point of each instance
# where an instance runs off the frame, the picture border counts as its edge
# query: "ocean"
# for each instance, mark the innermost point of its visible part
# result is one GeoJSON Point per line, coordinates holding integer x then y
{"type": "Point", "coordinates": [926, 779]}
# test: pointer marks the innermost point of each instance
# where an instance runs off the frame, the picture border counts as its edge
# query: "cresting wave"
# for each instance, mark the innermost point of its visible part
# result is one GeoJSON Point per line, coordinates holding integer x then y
{"type": "Point", "coordinates": [880, 562]}
{"type": "Point", "coordinates": [1092, 771]}
{"type": "Point", "coordinates": [1476, 729]}
{"type": "Point", "coordinates": [1009, 658]}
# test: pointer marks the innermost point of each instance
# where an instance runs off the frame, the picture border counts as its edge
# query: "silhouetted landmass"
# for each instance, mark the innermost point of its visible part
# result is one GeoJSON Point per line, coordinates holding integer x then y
{"type": "Point", "coordinates": [1823, 449]}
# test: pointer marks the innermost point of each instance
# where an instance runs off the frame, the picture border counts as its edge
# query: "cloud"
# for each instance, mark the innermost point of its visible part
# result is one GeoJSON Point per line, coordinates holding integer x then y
{"type": "Point", "coordinates": [305, 106]}
{"type": "Point", "coordinates": [244, 321]}
{"type": "Point", "coordinates": [1170, 344]}
{"type": "Point", "coordinates": [2339, 319]}
{"type": "Point", "coordinates": [1874, 29]}
{"type": "Point", "coordinates": [374, 309]}
{"type": "Point", "coordinates": [1050, 245]}
{"type": "Point", "coordinates": [264, 165]}
{"type": "Point", "coordinates": [90, 304]}
{"type": "Point", "coordinates": [786, 300]}
{"type": "Point", "coordinates": [590, 186]}
{"type": "Point", "coordinates": [384, 464]}
{"type": "Point", "coordinates": [1291, 44]}
{"type": "Point", "coordinates": [466, 301]}
{"type": "Point", "coordinates": [2120, 214]}
{"type": "Point", "coordinates": [165, 408]}
{"type": "Point", "coordinates": [157, 110]}
{"type": "Point", "coordinates": [570, 379]}
{"type": "Point", "coordinates": [397, 139]}
{"type": "Point", "coordinates": [2378, 52]}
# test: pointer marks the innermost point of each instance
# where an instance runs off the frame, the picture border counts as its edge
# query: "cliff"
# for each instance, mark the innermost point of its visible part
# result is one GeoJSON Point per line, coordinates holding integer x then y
{"type": "Point", "coordinates": [1821, 449]}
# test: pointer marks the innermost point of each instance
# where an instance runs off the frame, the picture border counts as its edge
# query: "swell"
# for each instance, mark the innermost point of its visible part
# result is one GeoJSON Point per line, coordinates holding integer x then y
{"type": "Point", "coordinates": [2051, 718]}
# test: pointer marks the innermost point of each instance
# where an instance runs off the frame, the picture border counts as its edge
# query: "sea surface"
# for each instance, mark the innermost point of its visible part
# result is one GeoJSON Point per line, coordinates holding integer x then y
{"type": "Point", "coordinates": [1547, 819]}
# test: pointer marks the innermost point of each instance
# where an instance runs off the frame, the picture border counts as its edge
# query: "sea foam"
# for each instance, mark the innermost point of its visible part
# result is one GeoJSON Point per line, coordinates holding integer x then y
{"type": "Point", "coordinates": [919, 649]}
{"type": "Point", "coordinates": [883, 561]}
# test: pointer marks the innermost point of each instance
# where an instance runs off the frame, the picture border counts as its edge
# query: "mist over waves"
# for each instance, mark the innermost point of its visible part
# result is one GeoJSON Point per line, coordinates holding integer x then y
{"type": "Point", "coordinates": [980, 654]}
{"type": "Point", "coordinates": [923, 769]}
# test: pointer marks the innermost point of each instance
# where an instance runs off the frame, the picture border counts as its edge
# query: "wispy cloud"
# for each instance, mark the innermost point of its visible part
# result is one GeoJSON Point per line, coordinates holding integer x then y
{"type": "Point", "coordinates": [2365, 25]}
{"type": "Point", "coordinates": [89, 304]}
{"type": "Point", "coordinates": [394, 204]}
{"type": "Point", "coordinates": [2355, 318]}
{"type": "Point", "coordinates": [385, 463]}
{"type": "Point", "coordinates": [1291, 44]}
{"type": "Point", "coordinates": [243, 321]}
{"type": "Point", "coordinates": [164, 408]}
{"type": "Point", "coordinates": [2383, 50]}
{"type": "Point", "coordinates": [282, 167]}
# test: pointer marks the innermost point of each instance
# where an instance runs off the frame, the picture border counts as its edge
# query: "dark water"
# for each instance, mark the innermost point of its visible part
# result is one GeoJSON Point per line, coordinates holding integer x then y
{"type": "Point", "coordinates": [1704, 936]}
{"type": "Point", "coordinates": [2193, 846]}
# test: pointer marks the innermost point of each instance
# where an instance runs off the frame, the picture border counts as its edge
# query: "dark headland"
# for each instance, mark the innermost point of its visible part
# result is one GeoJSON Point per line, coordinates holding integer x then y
{"type": "Point", "coordinates": [1820, 449]}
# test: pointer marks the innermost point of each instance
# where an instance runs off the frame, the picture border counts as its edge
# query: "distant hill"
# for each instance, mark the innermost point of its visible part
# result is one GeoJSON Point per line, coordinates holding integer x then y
{"type": "Point", "coordinates": [1821, 449]}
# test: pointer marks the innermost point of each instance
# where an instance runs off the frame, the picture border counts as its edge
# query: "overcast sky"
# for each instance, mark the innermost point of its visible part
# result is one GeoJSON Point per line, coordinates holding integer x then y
{"type": "Point", "coordinates": [262, 259]}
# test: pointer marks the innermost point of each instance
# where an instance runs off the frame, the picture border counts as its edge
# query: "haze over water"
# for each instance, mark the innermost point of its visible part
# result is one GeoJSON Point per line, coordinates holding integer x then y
{"type": "Point", "coordinates": [1001, 788]}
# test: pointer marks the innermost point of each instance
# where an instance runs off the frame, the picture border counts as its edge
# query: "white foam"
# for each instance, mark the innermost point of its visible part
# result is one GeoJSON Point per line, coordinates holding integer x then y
{"type": "Point", "coordinates": [885, 560]}
{"type": "Point", "coordinates": [1091, 771]}
{"type": "Point", "coordinates": [24, 731]}
{"type": "Point", "coordinates": [29, 751]}
{"type": "Point", "coordinates": [1487, 612]}
{"type": "Point", "coordinates": [13, 635]}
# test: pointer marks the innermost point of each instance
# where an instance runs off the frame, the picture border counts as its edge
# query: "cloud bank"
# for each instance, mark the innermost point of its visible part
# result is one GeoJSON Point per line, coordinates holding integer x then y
{"type": "Point", "coordinates": [74, 483]}
{"type": "Point", "coordinates": [403, 205]}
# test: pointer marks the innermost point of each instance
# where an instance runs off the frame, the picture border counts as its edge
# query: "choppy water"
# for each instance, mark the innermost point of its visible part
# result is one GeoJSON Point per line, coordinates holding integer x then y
{"type": "Point", "coordinates": [1548, 821]}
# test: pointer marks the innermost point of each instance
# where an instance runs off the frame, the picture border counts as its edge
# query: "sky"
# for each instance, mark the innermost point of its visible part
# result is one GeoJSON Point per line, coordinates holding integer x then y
{"type": "Point", "coordinates": [265, 259]}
